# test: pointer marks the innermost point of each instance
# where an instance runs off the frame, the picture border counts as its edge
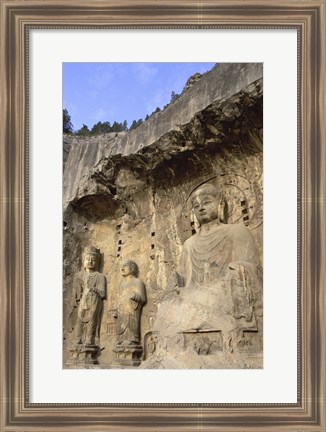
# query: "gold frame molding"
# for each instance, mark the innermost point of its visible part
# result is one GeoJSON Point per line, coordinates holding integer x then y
{"type": "Point", "coordinates": [17, 19]}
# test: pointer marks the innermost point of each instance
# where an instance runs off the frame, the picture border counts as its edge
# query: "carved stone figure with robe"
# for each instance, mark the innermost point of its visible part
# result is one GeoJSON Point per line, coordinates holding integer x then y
{"type": "Point", "coordinates": [89, 290]}
{"type": "Point", "coordinates": [219, 286]}
{"type": "Point", "coordinates": [218, 269]}
{"type": "Point", "coordinates": [132, 296]}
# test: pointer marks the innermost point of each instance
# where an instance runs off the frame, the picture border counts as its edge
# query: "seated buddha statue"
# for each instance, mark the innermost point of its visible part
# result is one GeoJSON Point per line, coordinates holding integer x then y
{"type": "Point", "coordinates": [219, 281]}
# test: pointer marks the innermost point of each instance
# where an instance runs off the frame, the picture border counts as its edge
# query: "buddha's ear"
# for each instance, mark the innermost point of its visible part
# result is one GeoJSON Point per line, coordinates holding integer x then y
{"type": "Point", "coordinates": [194, 222]}
{"type": "Point", "coordinates": [223, 211]}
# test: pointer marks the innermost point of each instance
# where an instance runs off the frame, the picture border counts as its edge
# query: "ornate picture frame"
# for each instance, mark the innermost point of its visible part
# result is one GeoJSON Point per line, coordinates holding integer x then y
{"type": "Point", "coordinates": [17, 20]}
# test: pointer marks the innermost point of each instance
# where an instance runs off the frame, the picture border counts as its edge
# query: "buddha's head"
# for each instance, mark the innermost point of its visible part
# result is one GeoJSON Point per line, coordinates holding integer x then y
{"type": "Point", "coordinates": [91, 258]}
{"type": "Point", "coordinates": [129, 267]}
{"type": "Point", "coordinates": [206, 203]}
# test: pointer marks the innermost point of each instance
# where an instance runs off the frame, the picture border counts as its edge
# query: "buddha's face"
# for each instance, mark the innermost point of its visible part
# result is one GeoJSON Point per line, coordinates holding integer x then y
{"type": "Point", "coordinates": [206, 208]}
{"type": "Point", "coordinates": [90, 262]}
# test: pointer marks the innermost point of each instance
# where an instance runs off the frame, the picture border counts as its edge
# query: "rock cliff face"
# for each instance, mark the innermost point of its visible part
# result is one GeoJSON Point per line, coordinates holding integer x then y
{"type": "Point", "coordinates": [128, 194]}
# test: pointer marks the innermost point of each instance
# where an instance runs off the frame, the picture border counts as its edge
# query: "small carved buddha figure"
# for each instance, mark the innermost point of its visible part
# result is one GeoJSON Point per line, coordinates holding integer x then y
{"type": "Point", "coordinates": [132, 296]}
{"type": "Point", "coordinates": [89, 290]}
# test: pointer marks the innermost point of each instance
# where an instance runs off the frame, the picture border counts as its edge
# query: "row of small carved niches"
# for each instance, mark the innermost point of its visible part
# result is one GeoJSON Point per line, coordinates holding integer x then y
{"type": "Point", "coordinates": [120, 243]}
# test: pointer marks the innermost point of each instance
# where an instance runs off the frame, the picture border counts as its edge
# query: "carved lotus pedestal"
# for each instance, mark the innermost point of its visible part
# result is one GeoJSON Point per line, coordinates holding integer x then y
{"type": "Point", "coordinates": [128, 355]}
{"type": "Point", "coordinates": [83, 356]}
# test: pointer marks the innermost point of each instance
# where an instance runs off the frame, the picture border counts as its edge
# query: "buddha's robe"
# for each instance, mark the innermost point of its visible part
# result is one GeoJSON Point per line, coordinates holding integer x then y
{"type": "Point", "coordinates": [218, 275]}
{"type": "Point", "coordinates": [89, 290]}
{"type": "Point", "coordinates": [129, 310]}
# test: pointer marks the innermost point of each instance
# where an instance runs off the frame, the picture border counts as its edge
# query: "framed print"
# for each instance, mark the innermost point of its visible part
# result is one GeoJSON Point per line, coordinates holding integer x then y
{"type": "Point", "coordinates": [141, 203]}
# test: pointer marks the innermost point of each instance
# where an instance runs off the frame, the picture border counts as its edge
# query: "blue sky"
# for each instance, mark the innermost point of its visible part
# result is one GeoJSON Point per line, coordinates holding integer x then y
{"type": "Point", "coordinates": [111, 92]}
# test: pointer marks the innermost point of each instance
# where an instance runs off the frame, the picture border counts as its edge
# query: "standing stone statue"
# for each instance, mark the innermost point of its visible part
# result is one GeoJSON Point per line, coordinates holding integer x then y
{"type": "Point", "coordinates": [218, 292]}
{"type": "Point", "coordinates": [89, 290]}
{"type": "Point", "coordinates": [132, 296]}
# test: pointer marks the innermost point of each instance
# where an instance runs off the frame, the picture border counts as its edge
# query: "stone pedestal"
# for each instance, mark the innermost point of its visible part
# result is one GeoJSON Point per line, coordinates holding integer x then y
{"type": "Point", "coordinates": [128, 355]}
{"type": "Point", "coordinates": [83, 356]}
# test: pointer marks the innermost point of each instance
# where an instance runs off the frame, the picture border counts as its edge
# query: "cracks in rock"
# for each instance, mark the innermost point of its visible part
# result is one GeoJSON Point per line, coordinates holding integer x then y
{"type": "Point", "coordinates": [227, 129]}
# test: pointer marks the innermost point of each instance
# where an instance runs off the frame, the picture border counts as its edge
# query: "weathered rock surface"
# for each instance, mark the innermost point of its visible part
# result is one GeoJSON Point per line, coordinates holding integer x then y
{"type": "Point", "coordinates": [220, 84]}
{"type": "Point", "coordinates": [128, 194]}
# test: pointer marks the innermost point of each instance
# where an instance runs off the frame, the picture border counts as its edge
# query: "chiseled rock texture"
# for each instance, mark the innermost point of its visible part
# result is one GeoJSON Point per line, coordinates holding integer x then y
{"type": "Point", "coordinates": [127, 194]}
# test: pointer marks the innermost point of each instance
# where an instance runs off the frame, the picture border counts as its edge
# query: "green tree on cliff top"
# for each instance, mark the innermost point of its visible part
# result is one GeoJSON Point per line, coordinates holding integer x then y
{"type": "Point", "coordinates": [67, 124]}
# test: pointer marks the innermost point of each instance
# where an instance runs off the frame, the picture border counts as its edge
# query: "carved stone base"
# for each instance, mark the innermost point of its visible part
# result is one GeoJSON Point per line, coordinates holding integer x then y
{"type": "Point", "coordinates": [202, 342]}
{"type": "Point", "coordinates": [83, 355]}
{"type": "Point", "coordinates": [128, 355]}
